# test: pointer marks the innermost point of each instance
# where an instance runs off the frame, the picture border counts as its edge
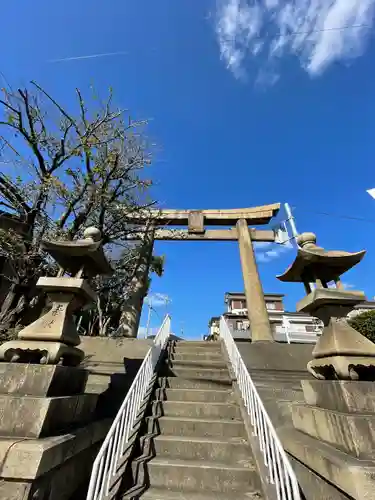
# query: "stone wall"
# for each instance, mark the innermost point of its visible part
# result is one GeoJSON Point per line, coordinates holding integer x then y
{"type": "Point", "coordinates": [112, 364]}
{"type": "Point", "coordinates": [55, 418]}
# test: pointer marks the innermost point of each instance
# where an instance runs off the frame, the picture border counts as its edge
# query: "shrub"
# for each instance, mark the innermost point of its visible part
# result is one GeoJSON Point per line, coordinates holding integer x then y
{"type": "Point", "coordinates": [365, 324]}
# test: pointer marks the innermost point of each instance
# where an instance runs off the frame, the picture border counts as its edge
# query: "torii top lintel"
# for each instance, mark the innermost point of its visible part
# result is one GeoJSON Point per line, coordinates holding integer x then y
{"type": "Point", "coordinates": [227, 217]}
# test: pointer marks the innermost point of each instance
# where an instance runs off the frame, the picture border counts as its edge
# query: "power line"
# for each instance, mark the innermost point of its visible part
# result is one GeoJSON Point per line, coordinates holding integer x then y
{"type": "Point", "coordinates": [338, 216]}
{"type": "Point", "coordinates": [295, 33]}
{"type": "Point", "coordinates": [342, 28]}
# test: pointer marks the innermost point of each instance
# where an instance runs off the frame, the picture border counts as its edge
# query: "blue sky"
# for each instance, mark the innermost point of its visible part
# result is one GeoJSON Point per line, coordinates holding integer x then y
{"type": "Point", "coordinates": [241, 116]}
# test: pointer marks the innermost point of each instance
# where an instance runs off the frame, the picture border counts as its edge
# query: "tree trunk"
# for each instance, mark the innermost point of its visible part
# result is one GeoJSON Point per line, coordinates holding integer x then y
{"type": "Point", "coordinates": [131, 313]}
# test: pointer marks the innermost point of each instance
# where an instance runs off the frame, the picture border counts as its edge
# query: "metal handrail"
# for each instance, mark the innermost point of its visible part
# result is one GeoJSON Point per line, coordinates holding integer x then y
{"type": "Point", "coordinates": [275, 459]}
{"type": "Point", "coordinates": [114, 447]}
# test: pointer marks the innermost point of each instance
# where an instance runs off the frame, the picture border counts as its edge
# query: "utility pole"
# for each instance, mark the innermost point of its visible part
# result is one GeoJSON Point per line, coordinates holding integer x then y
{"type": "Point", "coordinates": [167, 302]}
{"type": "Point", "coordinates": [149, 301]}
{"type": "Point", "coordinates": [293, 227]}
{"type": "Point", "coordinates": [291, 221]}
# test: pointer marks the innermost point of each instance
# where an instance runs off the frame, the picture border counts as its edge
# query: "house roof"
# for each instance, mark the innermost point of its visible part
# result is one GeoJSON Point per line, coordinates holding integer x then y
{"type": "Point", "coordinates": [214, 318]}
{"type": "Point", "coordinates": [368, 303]}
{"type": "Point", "coordinates": [242, 295]}
{"type": "Point", "coordinates": [273, 314]}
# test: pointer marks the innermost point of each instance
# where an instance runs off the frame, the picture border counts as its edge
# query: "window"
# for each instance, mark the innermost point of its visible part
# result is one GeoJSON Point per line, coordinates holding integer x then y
{"type": "Point", "coordinates": [237, 304]}
{"type": "Point", "coordinates": [310, 328]}
{"type": "Point", "coordinates": [271, 306]}
{"type": "Point", "coordinates": [239, 325]}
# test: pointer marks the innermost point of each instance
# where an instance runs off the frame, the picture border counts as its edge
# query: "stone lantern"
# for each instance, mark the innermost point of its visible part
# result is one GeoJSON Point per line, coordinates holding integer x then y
{"type": "Point", "coordinates": [341, 352]}
{"type": "Point", "coordinates": [53, 337]}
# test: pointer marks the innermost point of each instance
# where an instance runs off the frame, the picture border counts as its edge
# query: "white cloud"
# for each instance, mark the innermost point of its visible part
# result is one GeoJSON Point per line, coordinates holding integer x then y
{"type": "Point", "coordinates": [143, 333]}
{"type": "Point", "coordinates": [269, 251]}
{"type": "Point", "coordinates": [311, 30]}
{"type": "Point", "coordinates": [345, 284]}
{"type": "Point", "coordinates": [157, 299]}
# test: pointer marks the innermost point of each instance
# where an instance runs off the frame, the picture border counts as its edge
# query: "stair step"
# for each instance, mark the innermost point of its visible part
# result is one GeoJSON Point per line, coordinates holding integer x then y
{"type": "Point", "coordinates": [284, 393]}
{"type": "Point", "coordinates": [200, 395]}
{"type": "Point", "coordinates": [99, 379]}
{"type": "Point", "coordinates": [198, 410]}
{"type": "Point", "coordinates": [193, 362]}
{"type": "Point", "coordinates": [198, 350]}
{"type": "Point", "coordinates": [195, 372]}
{"type": "Point", "coordinates": [214, 356]}
{"type": "Point", "coordinates": [198, 343]}
{"type": "Point", "coordinates": [190, 475]}
{"type": "Point", "coordinates": [279, 374]}
{"type": "Point", "coordinates": [233, 451]}
{"type": "Point", "coordinates": [195, 383]}
{"type": "Point", "coordinates": [277, 383]}
{"type": "Point", "coordinates": [95, 388]}
{"type": "Point", "coordinates": [205, 427]}
{"type": "Point", "coordinates": [167, 494]}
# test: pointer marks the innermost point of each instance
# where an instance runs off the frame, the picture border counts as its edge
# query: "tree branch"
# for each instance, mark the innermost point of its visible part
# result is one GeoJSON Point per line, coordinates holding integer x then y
{"type": "Point", "coordinates": [33, 140]}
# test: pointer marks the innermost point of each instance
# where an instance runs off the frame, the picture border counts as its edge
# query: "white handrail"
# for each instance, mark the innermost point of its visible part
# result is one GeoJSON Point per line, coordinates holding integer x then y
{"type": "Point", "coordinates": [114, 447]}
{"type": "Point", "coordinates": [276, 461]}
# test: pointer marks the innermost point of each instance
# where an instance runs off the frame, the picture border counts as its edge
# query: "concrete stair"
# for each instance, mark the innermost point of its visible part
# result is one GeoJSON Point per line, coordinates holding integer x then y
{"type": "Point", "coordinates": [200, 446]}
{"type": "Point", "coordinates": [163, 494]}
{"type": "Point", "coordinates": [199, 395]}
{"type": "Point", "coordinates": [278, 389]}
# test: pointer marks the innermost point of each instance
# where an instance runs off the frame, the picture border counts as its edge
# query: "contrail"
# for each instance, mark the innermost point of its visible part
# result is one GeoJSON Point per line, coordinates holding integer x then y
{"type": "Point", "coordinates": [92, 56]}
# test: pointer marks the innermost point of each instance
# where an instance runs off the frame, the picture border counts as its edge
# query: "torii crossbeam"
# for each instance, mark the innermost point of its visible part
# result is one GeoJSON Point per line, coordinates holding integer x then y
{"type": "Point", "coordinates": [196, 222]}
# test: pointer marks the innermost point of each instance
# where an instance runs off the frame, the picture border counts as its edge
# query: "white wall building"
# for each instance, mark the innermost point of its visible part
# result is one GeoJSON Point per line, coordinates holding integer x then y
{"type": "Point", "coordinates": [286, 326]}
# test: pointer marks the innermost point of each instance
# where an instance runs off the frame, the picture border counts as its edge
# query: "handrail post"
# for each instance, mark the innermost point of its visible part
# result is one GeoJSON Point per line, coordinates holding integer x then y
{"type": "Point", "coordinates": [275, 458]}
{"type": "Point", "coordinates": [113, 449]}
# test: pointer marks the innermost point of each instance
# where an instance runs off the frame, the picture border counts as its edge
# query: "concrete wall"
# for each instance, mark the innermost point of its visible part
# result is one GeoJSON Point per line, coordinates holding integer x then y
{"type": "Point", "coordinates": [112, 364]}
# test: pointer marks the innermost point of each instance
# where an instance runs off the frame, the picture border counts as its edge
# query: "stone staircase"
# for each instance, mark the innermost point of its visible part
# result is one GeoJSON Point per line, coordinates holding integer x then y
{"type": "Point", "coordinates": [194, 443]}
{"type": "Point", "coordinates": [278, 390]}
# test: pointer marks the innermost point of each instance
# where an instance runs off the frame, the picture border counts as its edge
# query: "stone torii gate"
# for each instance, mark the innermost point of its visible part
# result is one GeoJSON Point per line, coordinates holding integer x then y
{"type": "Point", "coordinates": [196, 222]}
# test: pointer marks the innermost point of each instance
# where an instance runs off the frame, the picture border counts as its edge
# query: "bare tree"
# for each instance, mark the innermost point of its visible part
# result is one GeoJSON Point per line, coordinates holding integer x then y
{"type": "Point", "coordinates": [63, 171]}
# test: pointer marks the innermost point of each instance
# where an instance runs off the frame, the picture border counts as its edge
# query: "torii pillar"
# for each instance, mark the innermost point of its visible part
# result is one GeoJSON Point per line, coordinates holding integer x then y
{"type": "Point", "coordinates": [239, 220]}
{"type": "Point", "coordinates": [256, 305]}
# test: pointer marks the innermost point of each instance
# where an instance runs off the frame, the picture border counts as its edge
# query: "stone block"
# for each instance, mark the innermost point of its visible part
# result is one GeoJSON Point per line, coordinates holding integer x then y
{"type": "Point", "coordinates": [101, 350]}
{"type": "Point", "coordinates": [341, 395]}
{"type": "Point", "coordinates": [53, 468]}
{"type": "Point", "coordinates": [32, 458]}
{"type": "Point", "coordinates": [41, 380]}
{"type": "Point", "coordinates": [10, 490]}
{"type": "Point", "coordinates": [62, 483]}
{"type": "Point", "coordinates": [33, 417]}
{"type": "Point", "coordinates": [313, 486]}
{"type": "Point", "coordinates": [352, 433]}
{"type": "Point", "coordinates": [354, 477]}
{"type": "Point", "coordinates": [275, 356]}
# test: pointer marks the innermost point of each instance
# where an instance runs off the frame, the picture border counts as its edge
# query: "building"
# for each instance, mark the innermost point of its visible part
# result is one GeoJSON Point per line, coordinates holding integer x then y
{"type": "Point", "coordinates": [286, 326]}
